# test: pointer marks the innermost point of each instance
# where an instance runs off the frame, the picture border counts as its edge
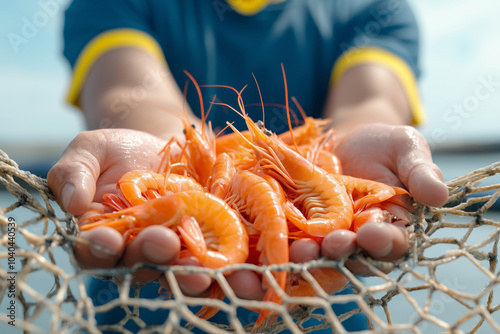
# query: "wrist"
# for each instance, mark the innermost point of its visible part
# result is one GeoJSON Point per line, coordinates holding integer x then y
{"type": "Point", "coordinates": [374, 110]}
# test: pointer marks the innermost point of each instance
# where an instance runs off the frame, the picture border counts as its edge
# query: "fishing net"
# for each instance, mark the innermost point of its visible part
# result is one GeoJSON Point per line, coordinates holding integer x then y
{"type": "Point", "coordinates": [447, 283]}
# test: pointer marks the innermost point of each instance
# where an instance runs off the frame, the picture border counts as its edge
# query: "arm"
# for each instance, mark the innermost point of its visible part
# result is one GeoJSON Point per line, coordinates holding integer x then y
{"type": "Point", "coordinates": [95, 160]}
{"type": "Point", "coordinates": [370, 109]}
{"type": "Point", "coordinates": [366, 94]}
{"type": "Point", "coordinates": [128, 88]}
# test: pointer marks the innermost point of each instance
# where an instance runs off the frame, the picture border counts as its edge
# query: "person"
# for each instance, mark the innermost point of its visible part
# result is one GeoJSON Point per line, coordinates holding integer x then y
{"type": "Point", "coordinates": [354, 62]}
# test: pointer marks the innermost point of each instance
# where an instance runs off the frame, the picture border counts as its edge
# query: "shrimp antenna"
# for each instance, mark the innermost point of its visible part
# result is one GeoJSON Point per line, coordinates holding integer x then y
{"type": "Point", "coordinates": [240, 99]}
{"type": "Point", "coordinates": [210, 107]}
{"type": "Point", "coordinates": [278, 105]}
{"type": "Point", "coordinates": [261, 102]}
{"type": "Point", "coordinates": [301, 110]}
{"type": "Point", "coordinates": [221, 131]}
{"type": "Point", "coordinates": [288, 109]}
{"type": "Point", "coordinates": [203, 119]}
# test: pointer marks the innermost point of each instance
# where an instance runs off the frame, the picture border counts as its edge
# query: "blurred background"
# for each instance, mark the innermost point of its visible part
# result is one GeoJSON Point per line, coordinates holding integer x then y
{"type": "Point", "coordinates": [460, 85]}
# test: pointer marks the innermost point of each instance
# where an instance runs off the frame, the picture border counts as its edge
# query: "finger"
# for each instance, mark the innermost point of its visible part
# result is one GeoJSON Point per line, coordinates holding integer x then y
{"type": "Point", "coordinates": [246, 284]}
{"type": "Point", "coordinates": [194, 285]}
{"type": "Point", "coordinates": [304, 250]}
{"type": "Point", "coordinates": [101, 247]}
{"type": "Point", "coordinates": [73, 178]}
{"type": "Point", "coordinates": [155, 244]}
{"type": "Point", "coordinates": [384, 242]}
{"type": "Point", "coordinates": [415, 168]}
{"type": "Point", "coordinates": [338, 244]}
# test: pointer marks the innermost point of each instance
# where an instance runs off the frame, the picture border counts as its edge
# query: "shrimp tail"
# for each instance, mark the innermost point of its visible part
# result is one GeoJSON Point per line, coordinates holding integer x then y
{"type": "Point", "coordinates": [192, 236]}
{"type": "Point", "coordinates": [207, 312]}
{"type": "Point", "coordinates": [268, 316]}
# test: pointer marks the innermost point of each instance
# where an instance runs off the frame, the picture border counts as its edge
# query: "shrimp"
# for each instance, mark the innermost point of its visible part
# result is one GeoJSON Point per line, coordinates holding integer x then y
{"type": "Point", "coordinates": [319, 153]}
{"type": "Point", "coordinates": [224, 239]}
{"type": "Point", "coordinates": [329, 279]}
{"type": "Point", "coordinates": [231, 142]}
{"type": "Point", "coordinates": [135, 184]}
{"type": "Point", "coordinates": [322, 158]}
{"type": "Point", "coordinates": [198, 149]}
{"type": "Point", "coordinates": [324, 201]}
{"type": "Point", "coordinates": [223, 172]}
{"type": "Point", "coordinates": [365, 192]}
{"type": "Point", "coordinates": [256, 200]}
{"type": "Point", "coordinates": [373, 214]}
{"type": "Point", "coordinates": [306, 133]}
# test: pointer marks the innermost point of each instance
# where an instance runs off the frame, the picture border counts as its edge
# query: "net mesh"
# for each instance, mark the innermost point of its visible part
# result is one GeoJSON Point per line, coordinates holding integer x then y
{"type": "Point", "coordinates": [446, 283]}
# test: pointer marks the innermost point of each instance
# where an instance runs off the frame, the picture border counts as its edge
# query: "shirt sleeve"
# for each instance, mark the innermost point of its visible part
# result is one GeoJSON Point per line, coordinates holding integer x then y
{"type": "Point", "coordinates": [94, 27]}
{"type": "Point", "coordinates": [383, 32]}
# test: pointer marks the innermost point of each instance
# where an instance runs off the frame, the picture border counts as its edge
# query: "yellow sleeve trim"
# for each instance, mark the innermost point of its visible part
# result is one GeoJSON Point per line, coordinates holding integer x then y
{"type": "Point", "coordinates": [250, 7]}
{"type": "Point", "coordinates": [103, 43]}
{"type": "Point", "coordinates": [399, 67]}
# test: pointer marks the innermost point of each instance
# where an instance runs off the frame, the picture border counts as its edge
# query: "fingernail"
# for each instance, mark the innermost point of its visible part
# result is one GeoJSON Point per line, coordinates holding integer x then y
{"type": "Point", "coordinates": [102, 251]}
{"type": "Point", "coordinates": [66, 195]}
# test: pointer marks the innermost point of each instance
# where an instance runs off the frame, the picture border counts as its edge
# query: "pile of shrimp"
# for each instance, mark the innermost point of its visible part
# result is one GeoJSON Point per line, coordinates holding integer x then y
{"type": "Point", "coordinates": [245, 196]}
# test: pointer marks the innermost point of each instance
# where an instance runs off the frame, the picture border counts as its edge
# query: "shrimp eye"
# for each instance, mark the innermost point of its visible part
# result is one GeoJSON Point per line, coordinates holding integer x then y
{"type": "Point", "coordinates": [260, 125]}
{"type": "Point", "coordinates": [184, 131]}
{"type": "Point", "coordinates": [193, 126]}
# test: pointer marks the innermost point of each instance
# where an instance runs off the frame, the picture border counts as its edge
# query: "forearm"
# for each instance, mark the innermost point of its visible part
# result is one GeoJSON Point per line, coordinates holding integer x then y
{"type": "Point", "coordinates": [367, 94]}
{"type": "Point", "coordinates": [128, 88]}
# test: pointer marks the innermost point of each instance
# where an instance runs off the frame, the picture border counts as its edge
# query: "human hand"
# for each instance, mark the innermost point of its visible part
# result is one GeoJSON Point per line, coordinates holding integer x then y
{"type": "Point", "coordinates": [395, 155]}
{"type": "Point", "coordinates": [90, 167]}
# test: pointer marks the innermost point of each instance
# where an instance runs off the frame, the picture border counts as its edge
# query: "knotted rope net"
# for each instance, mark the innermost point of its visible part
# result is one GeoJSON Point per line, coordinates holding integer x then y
{"type": "Point", "coordinates": [447, 283]}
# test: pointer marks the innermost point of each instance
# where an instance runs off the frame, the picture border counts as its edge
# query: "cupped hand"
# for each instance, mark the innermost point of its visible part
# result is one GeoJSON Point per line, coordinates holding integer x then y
{"type": "Point", "coordinates": [395, 155]}
{"type": "Point", "coordinates": [90, 167]}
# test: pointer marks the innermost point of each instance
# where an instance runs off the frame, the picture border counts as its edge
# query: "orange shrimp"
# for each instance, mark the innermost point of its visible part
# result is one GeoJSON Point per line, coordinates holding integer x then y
{"type": "Point", "coordinates": [255, 199]}
{"type": "Point", "coordinates": [198, 149]}
{"type": "Point", "coordinates": [365, 192]}
{"type": "Point", "coordinates": [306, 133]}
{"type": "Point", "coordinates": [329, 279]}
{"type": "Point", "coordinates": [223, 172]}
{"type": "Point", "coordinates": [319, 152]}
{"type": "Point", "coordinates": [135, 184]}
{"type": "Point", "coordinates": [323, 200]}
{"type": "Point", "coordinates": [322, 158]}
{"type": "Point", "coordinates": [224, 239]}
{"type": "Point", "coordinates": [373, 214]}
{"type": "Point", "coordinates": [231, 142]}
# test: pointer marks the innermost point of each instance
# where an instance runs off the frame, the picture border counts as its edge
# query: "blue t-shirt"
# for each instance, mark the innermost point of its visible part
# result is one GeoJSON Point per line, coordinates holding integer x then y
{"type": "Point", "coordinates": [315, 40]}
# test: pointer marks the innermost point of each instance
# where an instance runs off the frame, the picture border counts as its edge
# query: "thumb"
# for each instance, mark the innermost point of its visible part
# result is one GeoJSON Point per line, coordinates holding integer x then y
{"type": "Point", "coordinates": [426, 185]}
{"type": "Point", "coordinates": [416, 170]}
{"type": "Point", "coordinates": [73, 178]}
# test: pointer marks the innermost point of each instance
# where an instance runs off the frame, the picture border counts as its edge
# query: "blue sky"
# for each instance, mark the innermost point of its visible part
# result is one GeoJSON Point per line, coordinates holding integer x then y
{"type": "Point", "coordinates": [460, 52]}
